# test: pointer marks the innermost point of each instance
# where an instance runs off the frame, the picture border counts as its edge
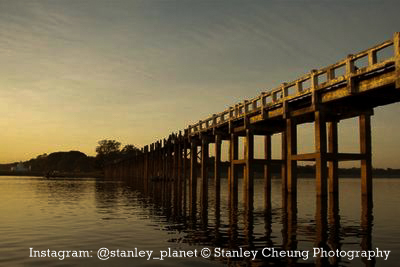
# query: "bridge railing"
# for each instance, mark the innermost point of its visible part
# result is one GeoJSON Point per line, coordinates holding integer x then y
{"type": "Point", "coordinates": [322, 79]}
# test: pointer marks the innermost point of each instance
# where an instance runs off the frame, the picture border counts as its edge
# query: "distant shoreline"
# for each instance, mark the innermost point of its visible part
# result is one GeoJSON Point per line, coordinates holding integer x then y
{"type": "Point", "coordinates": [58, 175]}
{"type": "Point", "coordinates": [101, 175]}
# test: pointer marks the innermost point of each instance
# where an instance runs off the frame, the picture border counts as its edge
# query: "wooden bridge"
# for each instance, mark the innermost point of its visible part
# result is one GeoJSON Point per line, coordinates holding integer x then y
{"type": "Point", "coordinates": [352, 87]}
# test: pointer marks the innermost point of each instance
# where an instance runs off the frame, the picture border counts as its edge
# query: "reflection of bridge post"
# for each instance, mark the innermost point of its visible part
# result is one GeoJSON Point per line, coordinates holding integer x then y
{"type": "Point", "coordinates": [334, 226]}
{"type": "Point", "coordinates": [321, 222]}
{"type": "Point", "coordinates": [217, 224]}
{"type": "Point", "coordinates": [268, 226]}
{"type": "Point", "coordinates": [233, 226]}
{"type": "Point", "coordinates": [289, 224]}
{"type": "Point", "coordinates": [249, 227]}
{"type": "Point", "coordinates": [366, 227]}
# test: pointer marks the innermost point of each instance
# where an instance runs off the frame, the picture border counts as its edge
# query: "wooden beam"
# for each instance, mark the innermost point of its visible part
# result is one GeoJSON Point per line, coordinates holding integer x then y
{"type": "Point", "coordinates": [239, 161]}
{"type": "Point", "coordinates": [345, 156]}
{"type": "Point", "coordinates": [305, 157]}
{"type": "Point", "coordinates": [268, 161]}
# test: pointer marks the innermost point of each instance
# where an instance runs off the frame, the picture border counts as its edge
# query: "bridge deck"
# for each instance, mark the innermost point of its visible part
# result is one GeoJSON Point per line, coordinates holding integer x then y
{"type": "Point", "coordinates": [359, 88]}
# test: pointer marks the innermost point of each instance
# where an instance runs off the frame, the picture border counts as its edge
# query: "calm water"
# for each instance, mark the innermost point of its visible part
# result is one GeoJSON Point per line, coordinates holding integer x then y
{"type": "Point", "coordinates": [88, 214]}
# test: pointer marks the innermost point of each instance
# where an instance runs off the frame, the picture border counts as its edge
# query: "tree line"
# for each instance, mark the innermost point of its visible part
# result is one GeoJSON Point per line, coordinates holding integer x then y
{"type": "Point", "coordinates": [75, 161]}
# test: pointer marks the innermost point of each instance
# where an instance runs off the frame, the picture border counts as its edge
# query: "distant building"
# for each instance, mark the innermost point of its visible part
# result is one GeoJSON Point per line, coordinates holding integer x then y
{"type": "Point", "coordinates": [20, 167]}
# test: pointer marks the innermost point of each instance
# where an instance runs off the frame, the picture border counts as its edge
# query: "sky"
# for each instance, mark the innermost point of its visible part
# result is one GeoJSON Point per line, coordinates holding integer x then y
{"type": "Point", "coordinates": [75, 72]}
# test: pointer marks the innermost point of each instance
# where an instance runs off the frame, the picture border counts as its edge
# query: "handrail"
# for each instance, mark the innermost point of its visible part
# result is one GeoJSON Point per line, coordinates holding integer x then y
{"type": "Point", "coordinates": [282, 93]}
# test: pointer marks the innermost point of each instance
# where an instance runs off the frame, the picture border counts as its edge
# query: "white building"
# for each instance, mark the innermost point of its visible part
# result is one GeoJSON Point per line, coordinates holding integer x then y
{"type": "Point", "coordinates": [20, 167]}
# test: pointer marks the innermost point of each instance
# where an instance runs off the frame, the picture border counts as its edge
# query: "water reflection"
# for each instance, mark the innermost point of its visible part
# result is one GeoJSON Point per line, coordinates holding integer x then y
{"type": "Point", "coordinates": [230, 224]}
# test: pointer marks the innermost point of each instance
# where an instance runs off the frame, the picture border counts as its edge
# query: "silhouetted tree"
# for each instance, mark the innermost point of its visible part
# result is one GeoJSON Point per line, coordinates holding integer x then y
{"type": "Point", "coordinates": [107, 150]}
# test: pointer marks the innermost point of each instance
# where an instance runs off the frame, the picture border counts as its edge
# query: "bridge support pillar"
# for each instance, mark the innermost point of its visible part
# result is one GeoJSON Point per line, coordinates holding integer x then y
{"type": "Point", "coordinates": [193, 177]}
{"type": "Point", "coordinates": [176, 173]}
{"type": "Point", "coordinates": [320, 149]}
{"type": "Point", "coordinates": [267, 172]}
{"type": "Point", "coordinates": [204, 176]}
{"type": "Point", "coordinates": [233, 175]}
{"type": "Point", "coordinates": [146, 167]}
{"type": "Point", "coordinates": [217, 172]}
{"type": "Point", "coordinates": [365, 149]}
{"type": "Point", "coordinates": [291, 147]}
{"type": "Point", "coordinates": [333, 163]}
{"type": "Point", "coordinates": [179, 170]}
{"type": "Point", "coordinates": [248, 177]}
{"type": "Point", "coordinates": [185, 173]}
{"type": "Point", "coordinates": [284, 163]}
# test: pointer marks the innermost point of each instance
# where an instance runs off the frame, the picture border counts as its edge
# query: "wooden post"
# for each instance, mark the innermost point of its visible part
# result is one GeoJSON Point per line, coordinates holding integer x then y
{"type": "Point", "coordinates": [320, 150]}
{"type": "Point", "coordinates": [204, 176]}
{"type": "Point", "coordinates": [176, 176]}
{"type": "Point", "coordinates": [179, 155]}
{"type": "Point", "coordinates": [217, 170]}
{"type": "Point", "coordinates": [333, 164]}
{"type": "Point", "coordinates": [248, 178]}
{"type": "Point", "coordinates": [185, 175]}
{"type": "Point", "coordinates": [365, 147]}
{"type": "Point", "coordinates": [233, 179]}
{"type": "Point", "coordinates": [291, 145]}
{"type": "Point", "coordinates": [314, 84]}
{"type": "Point", "coordinates": [193, 177]}
{"type": "Point", "coordinates": [267, 172]}
{"type": "Point", "coordinates": [284, 163]}
{"type": "Point", "coordinates": [164, 160]}
{"type": "Point", "coordinates": [146, 167]}
{"type": "Point", "coordinates": [350, 69]}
